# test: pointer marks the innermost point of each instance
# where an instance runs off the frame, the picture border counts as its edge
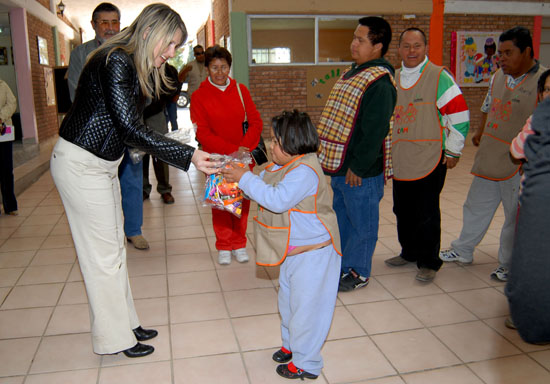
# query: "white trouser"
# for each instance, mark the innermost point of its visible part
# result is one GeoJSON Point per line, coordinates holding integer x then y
{"type": "Point", "coordinates": [307, 296]}
{"type": "Point", "coordinates": [479, 209]}
{"type": "Point", "coordinates": [90, 191]}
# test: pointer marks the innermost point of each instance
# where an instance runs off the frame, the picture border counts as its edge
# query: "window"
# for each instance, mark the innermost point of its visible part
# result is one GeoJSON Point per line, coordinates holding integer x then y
{"type": "Point", "coordinates": [300, 39]}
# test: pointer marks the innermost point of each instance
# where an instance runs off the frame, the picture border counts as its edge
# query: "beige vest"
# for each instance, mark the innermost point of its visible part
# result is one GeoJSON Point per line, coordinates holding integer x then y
{"type": "Point", "coordinates": [195, 76]}
{"type": "Point", "coordinates": [509, 110]}
{"type": "Point", "coordinates": [417, 131]}
{"type": "Point", "coordinates": [272, 230]}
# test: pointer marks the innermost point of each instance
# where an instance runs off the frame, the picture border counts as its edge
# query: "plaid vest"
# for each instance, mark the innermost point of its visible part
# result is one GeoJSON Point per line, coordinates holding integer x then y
{"type": "Point", "coordinates": [338, 119]}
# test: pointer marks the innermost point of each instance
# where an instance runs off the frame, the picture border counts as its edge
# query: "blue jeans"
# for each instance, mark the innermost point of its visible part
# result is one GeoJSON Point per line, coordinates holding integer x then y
{"type": "Point", "coordinates": [171, 112]}
{"type": "Point", "coordinates": [357, 211]}
{"type": "Point", "coordinates": [131, 190]}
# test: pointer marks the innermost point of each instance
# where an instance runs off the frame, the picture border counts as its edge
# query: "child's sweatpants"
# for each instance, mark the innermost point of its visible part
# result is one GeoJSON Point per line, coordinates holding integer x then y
{"type": "Point", "coordinates": [307, 296]}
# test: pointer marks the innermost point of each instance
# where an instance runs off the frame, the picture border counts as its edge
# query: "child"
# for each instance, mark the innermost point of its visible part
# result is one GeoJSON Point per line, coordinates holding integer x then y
{"type": "Point", "coordinates": [297, 227]}
{"type": "Point", "coordinates": [543, 88]}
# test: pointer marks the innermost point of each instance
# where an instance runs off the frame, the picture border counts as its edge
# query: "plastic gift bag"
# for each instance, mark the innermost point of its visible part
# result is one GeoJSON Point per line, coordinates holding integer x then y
{"type": "Point", "coordinates": [181, 135]}
{"type": "Point", "coordinates": [136, 155]}
{"type": "Point", "coordinates": [221, 194]}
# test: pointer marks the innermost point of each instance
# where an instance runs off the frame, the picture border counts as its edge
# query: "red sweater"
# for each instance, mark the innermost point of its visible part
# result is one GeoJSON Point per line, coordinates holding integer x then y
{"type": "Point", "coordinates": [219, 116]}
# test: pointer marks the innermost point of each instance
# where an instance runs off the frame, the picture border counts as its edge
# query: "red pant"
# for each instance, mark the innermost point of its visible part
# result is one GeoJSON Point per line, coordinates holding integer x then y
{"type": "Point", "coordinates": [230, 230]}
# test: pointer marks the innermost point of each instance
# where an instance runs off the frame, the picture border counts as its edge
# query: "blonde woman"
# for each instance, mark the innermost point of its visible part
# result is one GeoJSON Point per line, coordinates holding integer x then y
{"type": "Point", "coordinates": [105, 119]}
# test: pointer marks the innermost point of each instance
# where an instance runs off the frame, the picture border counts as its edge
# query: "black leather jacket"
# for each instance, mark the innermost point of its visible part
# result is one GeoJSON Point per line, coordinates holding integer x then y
{"type": "Point", "coordinates": [106, 116]}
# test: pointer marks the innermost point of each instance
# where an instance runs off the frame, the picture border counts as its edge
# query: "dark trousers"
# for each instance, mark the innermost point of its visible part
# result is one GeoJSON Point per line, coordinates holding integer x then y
{"type": "Point", "coordinates": [6, 177]}
{"type": "Point", "coordinates": [162, 174]}
{"type": "Point", "coordinates": [416, 206]}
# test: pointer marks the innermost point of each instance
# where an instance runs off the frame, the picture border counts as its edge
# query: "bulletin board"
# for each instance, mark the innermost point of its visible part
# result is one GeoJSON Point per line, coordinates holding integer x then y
{"type": "Point", "coordinates": [474, 57]}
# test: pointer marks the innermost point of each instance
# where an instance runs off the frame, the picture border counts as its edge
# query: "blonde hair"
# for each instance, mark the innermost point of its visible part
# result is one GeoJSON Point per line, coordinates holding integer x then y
{"type": "Point", "coordinates": [157, 22]}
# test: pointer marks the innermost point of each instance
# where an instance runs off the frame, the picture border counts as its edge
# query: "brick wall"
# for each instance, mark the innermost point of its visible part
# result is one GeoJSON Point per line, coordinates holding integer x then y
{"type": "Point", "coordinates": [44, 3]}
{"type": "Point", "coordinates": [221, 19]}
{"type": "Point", "coordinates": [275, 88]}
{"type": "Point", "coordinates": [46, 117]}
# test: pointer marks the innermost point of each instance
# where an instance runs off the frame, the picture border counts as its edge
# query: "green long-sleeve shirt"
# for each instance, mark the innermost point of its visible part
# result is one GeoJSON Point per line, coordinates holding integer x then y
{"type": "Point", "coordinates": [365, 155]}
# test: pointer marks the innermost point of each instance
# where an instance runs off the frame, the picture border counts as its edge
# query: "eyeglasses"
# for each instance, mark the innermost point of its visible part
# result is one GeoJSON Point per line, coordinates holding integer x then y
{"type": "Point", "coordinates": [199, 53]}
{"type": "Point", "coordinates": [108, 23]}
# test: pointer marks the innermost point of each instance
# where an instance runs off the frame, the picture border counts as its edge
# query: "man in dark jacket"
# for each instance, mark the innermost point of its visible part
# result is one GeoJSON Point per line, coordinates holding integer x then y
{"type": "Point", "coordinates": [352, 128]}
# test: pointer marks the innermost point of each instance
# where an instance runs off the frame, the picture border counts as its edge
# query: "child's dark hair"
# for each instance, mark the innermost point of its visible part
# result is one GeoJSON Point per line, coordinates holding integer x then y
{"type": "Point", "coordinates": [295, 133]}
{"type": "Point", "coordinates": [542, 81]}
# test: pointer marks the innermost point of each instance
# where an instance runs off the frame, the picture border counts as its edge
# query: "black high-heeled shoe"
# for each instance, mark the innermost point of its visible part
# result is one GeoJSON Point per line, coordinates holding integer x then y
{"type": "Point", "coordinates": [144, 334]}
{"type": "Point", "coordinates": [139, 350]}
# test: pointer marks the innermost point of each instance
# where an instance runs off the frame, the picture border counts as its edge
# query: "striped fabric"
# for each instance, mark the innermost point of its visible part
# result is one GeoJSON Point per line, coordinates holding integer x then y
{"type": "Point", "coordinates": [338, 119]}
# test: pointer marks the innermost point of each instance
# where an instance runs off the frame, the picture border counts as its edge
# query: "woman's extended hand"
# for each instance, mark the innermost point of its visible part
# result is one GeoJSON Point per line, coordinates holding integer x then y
{"type": "Point", "coordinates": [233, 173]}
{"type": "Point", "coordinates": [202, 162]}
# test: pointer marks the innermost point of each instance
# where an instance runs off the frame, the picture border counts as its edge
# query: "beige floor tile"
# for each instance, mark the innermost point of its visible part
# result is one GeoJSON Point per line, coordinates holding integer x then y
{"type": "Point", "coordinates": [3, 293]}
{"type": "Point", "coordinates": [146, 266]}
{"type": "Point", "coordinates": [185, 246]}
{"type": "Point", "coordinates": [542, 357]}
{"type": "Point", "coordinates": [247, 277]}
{"type": "Point", "coordinates": [178, 211]}
{"type": "Point", "coordinates": [27, 296]}
{"type": "Point", "coordinates": [344, 325]}
{"type": "Point", "coordinates": [145, 287]}
{"type": "Point", "coordinates": [73, 293]}
{"type": "Point", "coordinates": [156, 249]}
{"type": "Point", "coordinates": [61, 229]}
{"type": "Point", "coordinates": [261, 368]}
{"type": "Point", "coordinates": [22, 244]}
{"type": "Point", "coordinates": [68, 319]}
{"type": "Point", "coordinates": [484, 303]}
{"type": "Point", "coordinates": [13, 379]}
{"type": "Point", "coordinates": [379, 267]}
{"type": "Point", "coordinates": [385, 380]}
{"type": "Point", "coordinates": [251, 302]}
{"type": "Point", "coordinates": [24, 322]}
{"type": "Point", "coordinates": [258, 332]}
{"type": "Point", "coordinates": [405, 285]}
{"type": "Point", "coordinates": [154, 234]}
{"type": "Point", "coordinates": [33, 231]}
{"type": "Point", "coordinates": [44, 274]}
{"type": "Point", "coordinates": [65, 352]}
{"type": "Point", "coordinates": [222, 369]}
{"type": "Point", "coordinates": [474, 341]}
{"type": "Point", "coordinates": [190, 263]}
{"type": "Point", "coordinates": [41, 219]}
{"type": "Point", "coordinates": [362, 361]}
{"type": "Point", "coordinates": [17, 355]}
{"type": "Point", "coordinates": [189, 232]}
{"type": "Point", "coordinates": [372, 292]}
{"type": "Point", "coordinates": [76, 274]}
{"type": "Point", "coordinates": [414, 350]}
{"type": "Point", "coordinates": [157, 373]}
{"type": "Point", "coordinates": [7, 221]}
{"type": "Point", "coordinates": [16, 259]}
{"type": "Point", "coordinates": [193, 282]}
{"type": "Point", "coordinates": [85, 376]}
{"type": "Point", "coordinates": [161, 353]}
{"type": "Point", "coordinates": [483, 271]}
{"type": "Point", "coordinates": [58, 241]}
{"type": "Point", "coordinates": [54, 256]}
{"type": "Point", "coordinates": [203, 338]}
{"type": "Point", "coordinates": [48, 210]}
{"type": "Point", "coordinates": [152, 312]}
{"type": "Point", "coordinates": [451, 375]}
{"type": "Point", "coordinates": [513, 336]}
{"type": "Point", "coordinates": [10, 276]}
{"type": "Point", "coordinates": [198, 307]}
{"type": "Point", "coordinates": [458, 279]}
{"type": "Point", "coordinates": [437, 310]}
{"type": "Point", "coordinates": [383, 316]}
{"type": "Point", "coordinates": [511, 370]}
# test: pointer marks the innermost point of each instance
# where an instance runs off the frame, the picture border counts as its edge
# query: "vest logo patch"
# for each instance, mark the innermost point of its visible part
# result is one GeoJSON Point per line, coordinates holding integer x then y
{"type": "Point", "coordinates": [404, 116]}
{"type": "Point", "coordinates": [500, 111]}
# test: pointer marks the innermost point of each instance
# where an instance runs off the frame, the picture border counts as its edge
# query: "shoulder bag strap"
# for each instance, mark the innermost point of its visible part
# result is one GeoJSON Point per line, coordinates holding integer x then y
{"type": "Point", "coordinates": [242, 101]}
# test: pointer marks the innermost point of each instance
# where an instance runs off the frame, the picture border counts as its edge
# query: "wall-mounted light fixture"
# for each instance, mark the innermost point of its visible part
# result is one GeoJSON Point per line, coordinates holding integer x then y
{"type": "Point", "coordinates": [61, 8]}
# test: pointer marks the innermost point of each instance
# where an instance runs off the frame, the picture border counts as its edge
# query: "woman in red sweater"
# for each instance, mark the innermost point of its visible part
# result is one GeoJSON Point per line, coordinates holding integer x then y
{"type": "Point", "coordinates": [218, 112]}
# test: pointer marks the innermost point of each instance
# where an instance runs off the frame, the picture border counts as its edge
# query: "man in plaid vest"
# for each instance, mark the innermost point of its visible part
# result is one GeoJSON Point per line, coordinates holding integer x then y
{"type": "Point", "coordinates": [352, 129]}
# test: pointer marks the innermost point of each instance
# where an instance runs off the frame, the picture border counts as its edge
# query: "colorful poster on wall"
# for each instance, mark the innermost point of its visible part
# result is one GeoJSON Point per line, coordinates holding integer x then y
{"type": "Point", "coordinates": [320, 81]}
{"type": "Point", "coordinates": [50, 86]}
{"type": "Point", "coordinates": [475, 57]}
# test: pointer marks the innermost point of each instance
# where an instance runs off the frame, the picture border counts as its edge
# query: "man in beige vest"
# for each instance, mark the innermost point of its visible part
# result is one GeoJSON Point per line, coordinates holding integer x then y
{"type": "Point", "coordinates": [431, 121]}
{"type": "Point", "coordinates": [510, 100]}
{"type": "Point", "coordinates": [194, 72]}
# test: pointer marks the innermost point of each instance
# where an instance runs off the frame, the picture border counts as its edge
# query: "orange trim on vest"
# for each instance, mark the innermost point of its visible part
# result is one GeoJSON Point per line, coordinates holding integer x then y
{"type": "Point", "coordinates": [490, 178]}
{"type": "Point", "coordinates": [496, 138]}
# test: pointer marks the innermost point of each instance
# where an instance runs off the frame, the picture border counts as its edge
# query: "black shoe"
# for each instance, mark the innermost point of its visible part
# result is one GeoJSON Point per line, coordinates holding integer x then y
{"type": "Point", "coordinates": [285, 372]}
{"type": "Point", "coordinates": [351, 281]}
{"type": "Point", "coordinates": [144, 334]}
{"type": "Point", "coordinates": [282, 357]}
{"type": "Point", "coordinates": [139, 350]}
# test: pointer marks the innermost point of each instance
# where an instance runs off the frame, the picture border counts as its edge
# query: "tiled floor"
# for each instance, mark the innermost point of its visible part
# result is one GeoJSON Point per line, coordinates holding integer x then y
{"type": "Point", "coordinates": [220, 324]}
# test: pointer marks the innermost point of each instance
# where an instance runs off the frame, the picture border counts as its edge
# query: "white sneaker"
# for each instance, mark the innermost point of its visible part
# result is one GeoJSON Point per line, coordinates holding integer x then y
{"type": "Point", "coordinates": [452, 255]}
{"type": "Point", "coordinates": [500, 274]}
{"type": "Point", "coordinates": [241, 255]}
{"type": "Point", "coordinates": [224, 257]}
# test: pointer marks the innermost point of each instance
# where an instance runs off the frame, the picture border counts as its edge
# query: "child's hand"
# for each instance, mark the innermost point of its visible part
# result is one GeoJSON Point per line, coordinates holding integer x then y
{"type": "Point", "coordinates": [233, 173]}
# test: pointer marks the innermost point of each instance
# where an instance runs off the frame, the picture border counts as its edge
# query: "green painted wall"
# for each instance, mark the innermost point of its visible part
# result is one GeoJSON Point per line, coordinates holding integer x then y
{"type": "Point", "coordinates": [239, 47]}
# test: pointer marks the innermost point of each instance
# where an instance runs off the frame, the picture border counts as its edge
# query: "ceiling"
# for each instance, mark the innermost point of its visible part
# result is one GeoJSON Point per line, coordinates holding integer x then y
{"type": "Point", "coordinates": [193, 12]}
